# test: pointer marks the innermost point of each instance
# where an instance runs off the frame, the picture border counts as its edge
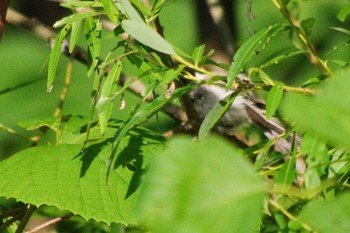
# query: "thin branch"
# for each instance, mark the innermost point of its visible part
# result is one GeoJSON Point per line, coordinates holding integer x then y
{"type": "Point", "coordinates": [25, 219]}
{"type": "Point", "coordinates": [313, 55]}
{"type": "Point", "coordinates": [291, 216]}
{"type": "Point", "coordinates": [50, 222]}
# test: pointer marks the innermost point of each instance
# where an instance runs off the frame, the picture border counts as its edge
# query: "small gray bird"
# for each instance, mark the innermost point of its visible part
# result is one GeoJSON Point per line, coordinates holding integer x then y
{"type": "Point", "coordinates": [244, 110]}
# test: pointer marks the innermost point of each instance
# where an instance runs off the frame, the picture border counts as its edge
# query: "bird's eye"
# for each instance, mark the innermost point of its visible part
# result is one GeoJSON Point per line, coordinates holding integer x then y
{"type": "Point", "coordinates": [199, 96]}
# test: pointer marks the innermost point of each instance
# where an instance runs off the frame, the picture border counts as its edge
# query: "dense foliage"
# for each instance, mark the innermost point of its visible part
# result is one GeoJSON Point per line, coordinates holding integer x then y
{"type": "Point", "coordinates": [105, 172]}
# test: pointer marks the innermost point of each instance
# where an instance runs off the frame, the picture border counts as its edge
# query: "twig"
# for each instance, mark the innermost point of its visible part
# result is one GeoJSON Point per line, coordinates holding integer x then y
{"type": "Point", "coordinates": [50, 222]}
{"type": "Point", "coordinates": [10, 222]}
{"type": "Point", "coordinates": [291, 216]}
{"type": "Point", "coordinates": [25, 219]}
{"type": "Point", "coordinates": [313, 55]}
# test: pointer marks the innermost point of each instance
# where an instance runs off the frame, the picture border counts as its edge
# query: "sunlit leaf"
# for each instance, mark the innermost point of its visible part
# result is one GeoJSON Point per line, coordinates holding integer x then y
{"type": "Point", "coordinates": [66, 177]}
{"type": "Point", "coordinates": [201, 187]}
{"type": "Point", "coordinates": [247, 50]}
{"type": "Point", "coordinates": [142, 8]}
{"type": "Point", "coordinates": [75, 17]}
{"type": "Point", "coordinates": [75, 34]}
{"type": "Point", "coordinates": [108, 89]}
{"type": "Point", "coordinates": [197, 54]}
{"type": "Point", "coordinates": [93, 29]}
{"type": "Point", "coordinates": [273, 99]}
{"type": "Point", "coordinates": [55, 56]}
{"type": "Point", "coordinates": [286, 175]}
{"type": "Point", "coordinates": [34, 124]}
{"type": "Point", "coordinates": [343, 14]}
{"type": "Point", "coordinates": [73, 4]}
{"type": "Point", "coordinates": [145, 35]}
{"type": "Point", "coordinates": [126, 8]}
{"type": "Point", "coordinates": [111, 10]}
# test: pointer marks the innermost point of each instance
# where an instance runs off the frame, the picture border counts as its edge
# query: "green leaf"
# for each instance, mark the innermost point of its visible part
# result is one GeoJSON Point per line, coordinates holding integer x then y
{"type": "Point", "coordinates": [108, 89]}
{"type": "Point", "coordinates": [330, 216]}
{"type": "Point", "coordinates": [75, 34]}
{"type": "Point", "coordinates": [93, 29]}
{"type": "Point", "coordinates": [343, 13]}
{"type": "Point", "coordinates": [197, 54]}
{"type": "Point", "coordinates": [142, 115]}
{"type": "Point", "coordinates": [34, 124]}
{"type": "Point", "coordinates": [147, 36]}
{"type": "Point", "coordinates": [342, 30]}
{"type": "Point", "coordinates": [74, 17]}
{"type": "Point", "coordinates": [73, 4]}
{"type": "Point", "coordinates": [55, 56]}
{"type": "Point", "coordinates": [308, 25]}
{"type": "Point", "coordinates": [273, 99]}
{"type": "Point", "coordinates": [201, 187]}
{"type": "Point", "coordinates": [66, 177]}
{"type": "Point", "coordinates": [126, 8]}
{"type": "Point", "coordinates": [142, 8]}
{"type": "Point", "coordinates": [247, 50]}
{"type": "Point", "coordinates": [277, 59]}
{"type": "Point", "coordinates": [111, 10]}
{"type": "Point", "coordinates": [317, 159]}
{"type": "Point", "coordinates": [215, 114]}
{"type": "Point", "coordinates": [327, 114]}
{"type": "Point", "coordinates": [286, 175]}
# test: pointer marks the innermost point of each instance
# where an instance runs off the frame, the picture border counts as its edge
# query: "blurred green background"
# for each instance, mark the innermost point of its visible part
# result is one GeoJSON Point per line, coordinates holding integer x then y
{"type": "Point", "coordinates": [23, 58]}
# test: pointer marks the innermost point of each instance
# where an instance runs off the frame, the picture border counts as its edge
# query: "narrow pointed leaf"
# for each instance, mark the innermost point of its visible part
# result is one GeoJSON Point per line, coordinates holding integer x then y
{"type": "Point", "coordinates": [273, 100]}
{"type": "Point", "coordinates": [93, 29]}
{"type": "Point", "coordinates": [215, 114]}
{"type": "Point", "coordinates": [142, 8]}
{"type": "Point", "coordinates": [55, 56]}
{"type": "Point", "coordinates": [247, 50]}
{"type": "Point", "coordinates": [75, 17]}
{"type": "Point", "coordinates": [197, 54]}
{"type": "Point", "coordinates": [108, 89]}
{"type": "Point", "coordinates": [111, 10]}
{"type": "Point", "coordinates": [126, 7]}
{"type": "Point", "coordinates": [343, 14]}
{"type": "Point", "coordinates": [76, 3]}
{"type": "Point", "coordinates": [75, 34]}
{"type": "Point", "coordinates": [145, 35]}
